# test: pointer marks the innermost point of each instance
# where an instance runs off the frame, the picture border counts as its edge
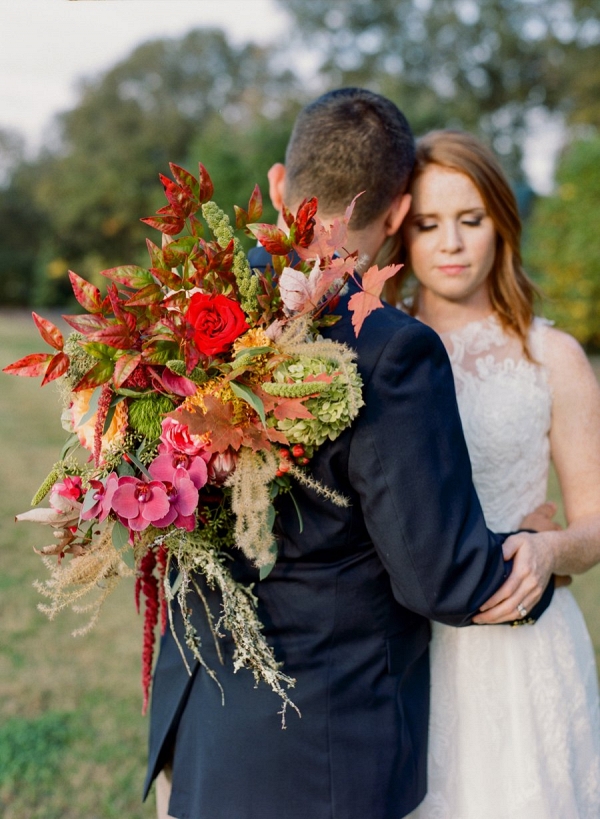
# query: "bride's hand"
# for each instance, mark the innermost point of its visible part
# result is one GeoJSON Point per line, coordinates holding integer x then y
{"type": "Point", "coordinates": [533, 561]}
{"type": "Point", "coordinates": [540, 520]}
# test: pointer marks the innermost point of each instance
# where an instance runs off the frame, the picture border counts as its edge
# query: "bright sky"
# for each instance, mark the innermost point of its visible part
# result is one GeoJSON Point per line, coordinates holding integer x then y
{"type": "Point", "coordinates": [47, 45]}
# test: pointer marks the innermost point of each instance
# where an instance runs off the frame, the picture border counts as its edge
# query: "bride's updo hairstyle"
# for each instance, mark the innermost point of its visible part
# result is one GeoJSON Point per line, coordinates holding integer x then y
{"type": "Point", "coordinates": [512, 294]}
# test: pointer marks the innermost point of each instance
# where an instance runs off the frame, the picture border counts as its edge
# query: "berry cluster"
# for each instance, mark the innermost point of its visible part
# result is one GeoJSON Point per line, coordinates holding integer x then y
{"type": "Point", "coordinates": [291, 455]}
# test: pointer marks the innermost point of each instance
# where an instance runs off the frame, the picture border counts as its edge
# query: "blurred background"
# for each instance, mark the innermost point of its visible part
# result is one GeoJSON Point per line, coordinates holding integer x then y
{"type": "Point", "coordinates": [95, 99]}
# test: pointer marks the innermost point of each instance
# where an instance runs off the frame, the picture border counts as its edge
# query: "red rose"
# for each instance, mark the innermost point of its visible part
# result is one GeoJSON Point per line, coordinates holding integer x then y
{"type": "Point", "coordinates": [217, 321]}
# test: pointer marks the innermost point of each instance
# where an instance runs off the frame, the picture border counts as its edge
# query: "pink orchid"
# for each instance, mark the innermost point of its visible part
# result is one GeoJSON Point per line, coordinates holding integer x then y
{"type": "Point", "coordinates": [183, 498]}
{"type": "Point", "coordinates": [164, 467]}
{"type": "Point", "coordinates": [103, 492]}
{"type": "Point", "coordinates": [140, 503]}
{"type": "Point", "coordinates": [68, 488]}
{"type": "Point", "coordinates": [176, 437]}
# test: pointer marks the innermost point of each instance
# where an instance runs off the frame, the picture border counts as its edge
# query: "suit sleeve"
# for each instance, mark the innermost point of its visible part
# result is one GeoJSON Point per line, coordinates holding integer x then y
{"type": "Point", "coordinates": [409, 463]}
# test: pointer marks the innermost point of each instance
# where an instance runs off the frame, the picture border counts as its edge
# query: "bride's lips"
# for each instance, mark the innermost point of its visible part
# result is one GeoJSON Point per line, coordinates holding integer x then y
{"type": "Point", "coordinates": [452, 269]}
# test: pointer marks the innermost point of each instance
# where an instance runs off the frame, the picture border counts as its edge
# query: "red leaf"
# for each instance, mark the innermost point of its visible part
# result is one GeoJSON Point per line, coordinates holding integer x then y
{"type": "Point", "coordinates": [222, 261]}
{"type": "Point", "coordinates": [87, 323]}
{"type": "Point", "coordinates": [178, 301]}
{"type": "Point", "coordinates": [117, 335]}
{"type": "Point", "coordinates": [86, 293]}
{"type": "Point", "coordinates": [304, 223]}
{"type": "Point", "coordinates": [170, 225]}
{"type": "Point", "coordinates": [287, 214]}
{"type": "Point", "coordinates": [167, 278]}
{"type": "Point", "coordinates": [151, 294]}
{"type": "Point", "coordinates": [99, 374]}
{"type": "Point", "coordinates": [124, 366]}
{"type": "Point", "coordinates": [271, 238]}
{"type": "Point", "coordinates": [206, 185]}
{"type": "Point", "coordinates": [129, 275]}
{"type": "Point", "coordinates": [180, 197]}
{"type": "Point", "coordinates": [241, 217]}
{"type": "Point", "coordinates": [30, 366]}
{"type": "Point", "coordinates": [363, 303]}
{"type": "Point", "coordinates": [156, 256]}
{"type": "Point", "coordinates": [186, 179]}
{"type": "Point", "coordinates": [58, 366]}
{"type": "Point", "coordinates": [196, 226]}
{"type": "Point", "coordinates": [255, 205]}
{"type": "Point", "coordinates": [217, 421]}
{"type": "Point", "coordinates": [49, 332]}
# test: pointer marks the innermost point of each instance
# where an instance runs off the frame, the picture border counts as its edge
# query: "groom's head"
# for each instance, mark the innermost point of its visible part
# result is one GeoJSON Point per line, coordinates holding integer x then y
{"type": "Point", "coordinates": [347, 141]}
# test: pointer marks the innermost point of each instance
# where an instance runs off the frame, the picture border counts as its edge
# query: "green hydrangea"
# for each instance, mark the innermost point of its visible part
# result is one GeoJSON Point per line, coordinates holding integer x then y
{"type": "Point", "coordinates": [146, 414]}
{"type": "Point", "coordinates": [334, 409]}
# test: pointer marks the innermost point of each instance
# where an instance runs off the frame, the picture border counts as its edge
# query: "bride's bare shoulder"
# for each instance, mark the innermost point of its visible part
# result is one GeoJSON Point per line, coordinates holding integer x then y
{"type": "Point", "coordinates": [568, 366]}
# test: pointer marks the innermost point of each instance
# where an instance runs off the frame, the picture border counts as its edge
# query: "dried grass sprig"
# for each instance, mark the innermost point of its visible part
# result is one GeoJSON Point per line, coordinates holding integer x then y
{"type": "Point", "coordinates": [312, 483]}
{"type": "Point", "coordinates": [100, 567]}
{"type": "Point", "coordinates": [195, 554]}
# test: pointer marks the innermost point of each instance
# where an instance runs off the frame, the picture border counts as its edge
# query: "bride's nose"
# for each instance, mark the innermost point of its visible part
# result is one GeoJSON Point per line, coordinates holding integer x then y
{"type": "Point", "coordinates": [451, 240]}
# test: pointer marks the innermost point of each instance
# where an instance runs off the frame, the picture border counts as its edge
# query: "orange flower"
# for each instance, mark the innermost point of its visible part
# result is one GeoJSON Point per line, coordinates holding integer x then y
{"type": "Point", "coordinates": [79, 410]}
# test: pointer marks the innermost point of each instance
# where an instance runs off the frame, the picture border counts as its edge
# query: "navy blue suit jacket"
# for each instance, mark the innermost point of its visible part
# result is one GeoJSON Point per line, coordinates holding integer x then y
{"type": "Point", "coordinates": [346, 609]}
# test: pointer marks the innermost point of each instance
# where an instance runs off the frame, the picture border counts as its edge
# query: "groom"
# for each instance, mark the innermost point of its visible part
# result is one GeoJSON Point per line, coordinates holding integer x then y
{"type": "Point", "coordinates": [348, 604]}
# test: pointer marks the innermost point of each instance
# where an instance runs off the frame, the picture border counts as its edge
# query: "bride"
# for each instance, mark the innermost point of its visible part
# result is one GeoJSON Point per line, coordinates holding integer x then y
{"type": "Point", "coordinates": [515, 718]}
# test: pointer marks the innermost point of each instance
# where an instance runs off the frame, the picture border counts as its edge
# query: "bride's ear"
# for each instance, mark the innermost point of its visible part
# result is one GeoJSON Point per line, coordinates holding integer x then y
{"type": "Point", "coordinates": [276, 177]}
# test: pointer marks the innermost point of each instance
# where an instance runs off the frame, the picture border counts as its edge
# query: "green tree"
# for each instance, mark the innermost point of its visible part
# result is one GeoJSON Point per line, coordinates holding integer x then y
{"type": "Point", "coordinates": [148, 110]}
{"type": "Point", "coordinates": [478, 65]}
{"type": "Point", "coordinates": [562, 249]}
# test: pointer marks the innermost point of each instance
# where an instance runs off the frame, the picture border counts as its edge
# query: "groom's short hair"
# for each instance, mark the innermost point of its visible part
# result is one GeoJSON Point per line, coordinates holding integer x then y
{"type": "Point", "coordinates": [347, 141]}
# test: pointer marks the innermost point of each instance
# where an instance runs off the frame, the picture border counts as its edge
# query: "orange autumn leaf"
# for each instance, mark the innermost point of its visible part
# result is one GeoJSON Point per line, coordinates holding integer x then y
{"type": "Point", "coordinates": [363, 303]}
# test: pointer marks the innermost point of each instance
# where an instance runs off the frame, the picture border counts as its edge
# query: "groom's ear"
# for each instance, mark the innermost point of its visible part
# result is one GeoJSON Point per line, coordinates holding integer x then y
{"type": "Point", "coordinates": [397, 213]}
{"type": "Point", "coordinates": [276, 177]}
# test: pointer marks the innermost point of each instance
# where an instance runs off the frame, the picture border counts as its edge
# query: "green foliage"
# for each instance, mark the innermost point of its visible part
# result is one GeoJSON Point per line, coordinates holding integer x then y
{"type": "Point", "coordinates": [478, 65]}
{"type": "Point", "coordinates": [562, 248]}
{"type": "Point", "coordinates": [79, 205]}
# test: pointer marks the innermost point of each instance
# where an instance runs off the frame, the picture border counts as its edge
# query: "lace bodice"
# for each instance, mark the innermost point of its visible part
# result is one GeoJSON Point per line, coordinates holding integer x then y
{"type": "Point", "coordinates": [505, 405]}
{"type": "Point", "coordinates": [517, 706]}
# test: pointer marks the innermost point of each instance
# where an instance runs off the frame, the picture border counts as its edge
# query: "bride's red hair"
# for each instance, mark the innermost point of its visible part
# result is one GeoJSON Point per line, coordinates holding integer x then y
{"type": "Point", "coordinates": [511, 292]}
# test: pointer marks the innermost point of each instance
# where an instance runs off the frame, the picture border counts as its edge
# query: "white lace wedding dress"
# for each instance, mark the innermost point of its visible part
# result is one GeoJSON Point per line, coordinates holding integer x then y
{"type": "Point", "coordinates": [515, 718]}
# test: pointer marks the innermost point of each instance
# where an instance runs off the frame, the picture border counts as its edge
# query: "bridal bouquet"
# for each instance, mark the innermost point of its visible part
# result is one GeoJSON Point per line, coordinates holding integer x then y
{"type": "Point", "coordinates": [194, 392]}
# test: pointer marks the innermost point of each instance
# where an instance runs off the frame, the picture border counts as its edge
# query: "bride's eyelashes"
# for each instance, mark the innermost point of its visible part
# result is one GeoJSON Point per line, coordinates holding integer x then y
{"type": "Point", "coordinates": [423, 227]}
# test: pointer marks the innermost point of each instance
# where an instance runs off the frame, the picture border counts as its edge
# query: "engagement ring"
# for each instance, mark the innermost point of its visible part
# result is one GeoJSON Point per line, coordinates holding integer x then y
{"type": "Point", "coordinates": [522, 610]}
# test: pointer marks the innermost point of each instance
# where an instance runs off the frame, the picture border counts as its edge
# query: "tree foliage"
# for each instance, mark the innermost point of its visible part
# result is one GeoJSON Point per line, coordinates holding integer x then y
{"type": "Point", "coordinates": [183, 101]}
{"type": "Point", "coordinates": [479, 65]}
{"type": "Point", "coordinates": [563, 244]}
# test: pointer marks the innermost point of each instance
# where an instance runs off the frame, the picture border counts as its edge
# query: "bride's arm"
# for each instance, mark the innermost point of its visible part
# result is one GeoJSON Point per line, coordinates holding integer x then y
{"type": "Point", "coordinates": [575, 448]}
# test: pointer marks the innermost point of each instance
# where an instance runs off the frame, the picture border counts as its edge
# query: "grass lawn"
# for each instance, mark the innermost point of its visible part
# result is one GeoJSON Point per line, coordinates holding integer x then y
{"type": "Point", "coordinates": [72, 739]}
